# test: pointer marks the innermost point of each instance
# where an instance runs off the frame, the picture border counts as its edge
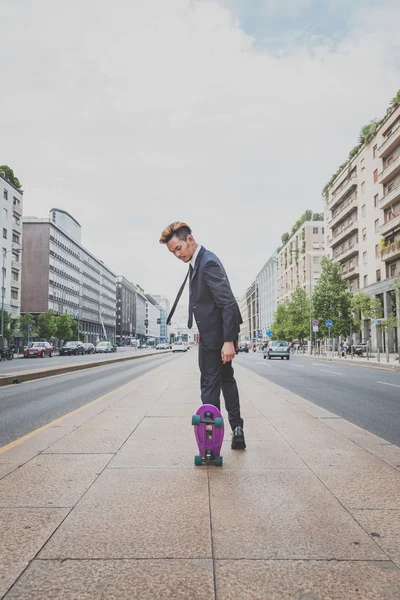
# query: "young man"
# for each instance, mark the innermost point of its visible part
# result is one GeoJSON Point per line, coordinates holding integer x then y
{"type": "Point", "coordinates": [218, 319]}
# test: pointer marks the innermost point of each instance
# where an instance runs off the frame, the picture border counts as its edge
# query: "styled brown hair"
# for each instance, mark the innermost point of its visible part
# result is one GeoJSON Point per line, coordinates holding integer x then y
{"type": "Point", "coordinates": [178, 228]}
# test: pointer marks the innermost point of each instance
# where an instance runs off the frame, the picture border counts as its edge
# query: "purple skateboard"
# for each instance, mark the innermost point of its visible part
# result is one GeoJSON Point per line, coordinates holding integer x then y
{"type": "Point", "coordinates": [209, 431]}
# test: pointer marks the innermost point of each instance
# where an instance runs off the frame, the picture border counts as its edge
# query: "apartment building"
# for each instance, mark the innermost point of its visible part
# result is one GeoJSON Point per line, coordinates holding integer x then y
{"type": "Point", "coordinates": [252, 311]}
{"type": "Point", "coordinates": [59, 274]}
{"type": "Point", "coordinates": [299, 260]}
{"type": "Point", "coordinates": [164, 305]}
{"type": "Point", "coordinates": [266, 283]}
{"type": "Point", "coordinates": [244, 335]}
{"type": "Point", "coordinates": [153, 319]}
{"type": "Point", "coordinates": [362, 212]}
{"type": "Point", "coordinates": [11, 230]}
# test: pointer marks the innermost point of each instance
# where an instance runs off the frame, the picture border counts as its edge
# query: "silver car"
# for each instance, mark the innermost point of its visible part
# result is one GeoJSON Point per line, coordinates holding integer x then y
{"type": "Point", "coordinates": [280, 349]}
{"type": "Point", "coordinates": [104, 347]}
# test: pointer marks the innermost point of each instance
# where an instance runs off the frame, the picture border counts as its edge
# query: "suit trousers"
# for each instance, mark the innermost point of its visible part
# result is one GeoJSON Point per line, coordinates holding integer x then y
{"type": "Point", "coordinates": [215, 375]}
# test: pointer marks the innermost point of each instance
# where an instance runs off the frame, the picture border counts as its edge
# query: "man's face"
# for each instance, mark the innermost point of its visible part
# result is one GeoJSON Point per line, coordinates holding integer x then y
{"type": "Point", "coordinates": [182, 249]}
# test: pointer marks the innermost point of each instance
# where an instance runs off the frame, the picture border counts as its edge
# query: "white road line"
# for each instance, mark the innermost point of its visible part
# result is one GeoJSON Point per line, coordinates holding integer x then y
{"type": "Point", "coordinates": [385, 383]}
{"type": "Point", "coordinates": [298, 366]}
{"type": "Point", "coordinates": [322, 365]}
{"type": "Point", "coordinates": [333, 372]}
{"type": "Point", "coordinates": [263, 363]}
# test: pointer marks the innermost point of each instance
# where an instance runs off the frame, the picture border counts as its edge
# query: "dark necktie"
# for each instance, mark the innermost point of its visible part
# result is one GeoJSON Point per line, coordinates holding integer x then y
{"type": "Point", "coordinates": [178, 297]}
{"type": "Point", "coordinates": [190, 318]}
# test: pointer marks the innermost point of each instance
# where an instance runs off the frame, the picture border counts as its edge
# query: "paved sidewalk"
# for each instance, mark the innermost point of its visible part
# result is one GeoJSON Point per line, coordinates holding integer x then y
{"type": "Point", "coordinates": [106, 502]}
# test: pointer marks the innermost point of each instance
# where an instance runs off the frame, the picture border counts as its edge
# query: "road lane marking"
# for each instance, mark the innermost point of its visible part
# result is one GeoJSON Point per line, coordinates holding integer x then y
{"type": "Point", "coordinates": [299, 366]}
{"type": "Point", "coordinates": [263, 363]}
{"type": "Point", "coordinates": [322, 365]}
{"type": "Point", "coordinates": [332, 372]}
{"type": "Point", "coordinates": [385, 383]}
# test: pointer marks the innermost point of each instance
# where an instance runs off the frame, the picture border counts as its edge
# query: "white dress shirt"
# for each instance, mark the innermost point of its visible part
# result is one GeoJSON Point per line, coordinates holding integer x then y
{"type": "Point", "coordinates": [193, 260]}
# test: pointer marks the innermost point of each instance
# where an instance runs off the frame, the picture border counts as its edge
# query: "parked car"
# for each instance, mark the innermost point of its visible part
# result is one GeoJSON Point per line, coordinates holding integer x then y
{"type": "Point", "coordinates": [89, 348]}
{"type": "Point", "coordinates": [179, 347]}
{"type": "Point", "coordinates": [36, 349]}
{"type": "Point", "coordinates": [243, 347]}
{"type": "Point", "coordinates": [104, 347]}
{"type": "Point", "coordinates": [72, 348]}
{"type": "Point", "coordinates": [114, 347]}
{"type": "Point", "coordinates": [280, 349]}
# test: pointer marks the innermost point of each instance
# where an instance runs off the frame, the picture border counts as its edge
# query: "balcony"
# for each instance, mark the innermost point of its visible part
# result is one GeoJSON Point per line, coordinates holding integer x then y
{"type": "Point", "coordinates": [17, 227]}
{"type": "Point", "coordinates": [341, 191]}
{"type": "Point", "coordinates": [390, 171]}
{"type": "Point", "coordinates": [390, 143]}
{"type": "Point", "coordinates": [391, 251]}
{"type": "Point", "coordinates": [17, 210]}
{"type": "Point", "coordinates": [343, 211]}
{"type": "Point", "coordinates": [16, 265]}
{"type": "Point", "coordinates": [351, 250]}
{"type": "Point", "coordinates": [15, 303]}
{"type": "Point", "coordinates": [389, 226]}
{"type": "Point", "coordinates": [351, 273]}
{"type": "Point", "coordinates": [390, 198]}
{"type": "Point", "coordinates": [15, 284]}
{"type": "Point", "coordinates": [342, 235]}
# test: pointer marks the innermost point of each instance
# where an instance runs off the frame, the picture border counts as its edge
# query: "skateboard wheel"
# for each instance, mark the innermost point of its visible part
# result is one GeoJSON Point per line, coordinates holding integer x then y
{"type": "Point", "coordinates": [196, 420]}
{"type": "Point", "coordinates": [218, 461]}
{"type": "Point", "coordinates": [219, 423]}
{"type": "Point", "coordinates": [198, 461]}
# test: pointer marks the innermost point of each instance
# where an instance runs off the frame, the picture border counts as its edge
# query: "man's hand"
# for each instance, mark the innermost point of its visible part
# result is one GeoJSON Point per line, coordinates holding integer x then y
{"type": "Point", "coordinates": [228, 352]}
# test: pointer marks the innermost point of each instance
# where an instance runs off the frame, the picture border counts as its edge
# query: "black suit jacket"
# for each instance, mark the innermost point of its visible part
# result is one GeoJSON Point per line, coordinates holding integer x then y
{"type": "Point", "coordinates": [212, 302]}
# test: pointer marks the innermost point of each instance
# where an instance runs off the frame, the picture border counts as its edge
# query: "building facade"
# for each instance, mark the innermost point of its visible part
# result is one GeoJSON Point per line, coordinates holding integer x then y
{"type": "Point", "coordinates": [266, 282]}
{"type": "Point", "coordinates": [11, 231]}
{"type": "Point", "coordinates": [59, 274]}
{"type": "Point", "coordinates": [252, 312]}
{"type": "Point", "coordinates": [299, 260]}
{"type": "Point", "coordinates": [126, 311]}
{"type": "Point", "coordinates": [164, 305]}
{"type": "Point", "coordinates": [244, 335]}
{"type": "Point", "coordinates": [153, 319]}
{"type": "Point", "coordinates": [362, 211]}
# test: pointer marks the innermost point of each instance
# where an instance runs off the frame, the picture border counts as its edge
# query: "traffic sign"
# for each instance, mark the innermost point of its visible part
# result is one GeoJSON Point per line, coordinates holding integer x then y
{"type": "Point", "coordinates": [269, 333]}
{"type": "Point", "coordinates": [315, 323]}
{"type": "Point", "coordinates": [379, 321]}
{"type": "Point", "coordinates": [315, 328]}
{"type": "Point", "coordinates": [328, 323]}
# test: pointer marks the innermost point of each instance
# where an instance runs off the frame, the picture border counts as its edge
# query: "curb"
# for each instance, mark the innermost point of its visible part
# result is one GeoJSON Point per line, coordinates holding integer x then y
{"type": "Point", "coordinates": [32, 375]}
{"type": "Point", "coordinates": [349, 362]}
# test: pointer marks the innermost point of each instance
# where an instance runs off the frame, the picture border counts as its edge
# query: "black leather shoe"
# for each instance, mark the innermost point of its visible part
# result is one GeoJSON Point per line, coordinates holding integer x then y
{"type": "Point", "coordinates": [238, 442]}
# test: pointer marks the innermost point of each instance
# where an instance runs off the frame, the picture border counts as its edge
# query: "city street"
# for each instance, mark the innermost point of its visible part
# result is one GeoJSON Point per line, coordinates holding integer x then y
{"type": "Point", "coordinates": [28, 406]}
{"type": "Point", "coordinates": [368, 397]}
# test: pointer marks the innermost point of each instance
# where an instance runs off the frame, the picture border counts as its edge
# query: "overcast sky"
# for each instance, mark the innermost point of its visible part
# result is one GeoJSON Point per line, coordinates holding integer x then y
{"type": "Point", "coordinates": [228, 114]}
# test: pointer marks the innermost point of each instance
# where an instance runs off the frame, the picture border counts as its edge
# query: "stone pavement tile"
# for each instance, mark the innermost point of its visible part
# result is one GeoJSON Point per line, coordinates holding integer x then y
{"type": "Point", "coordinates": [91, 439]}
{"type": "Point", "coordinates": [51, 480]}
{"type": "Point", "coordinates": [31, 447]}
{"type": "Point", "coordinates": [262, 455]}
{"type": "Point", "coordinates": [116, 580]}
{"type": "Point", "coordinates": [23, 532]}
{"type": "Point", "coordinates": [172, 409]}
{"type": "Point", "coordinates": [282, 514]}
{"type": "Point", "coordinates": [389, 453]}
{"type": "Point", "coordinates": [384, 527]}
{"type": "Point", "coordinates": [259, 429]}
{"type": "Point", "coordinates": [306, 580]}
{"type": "Point", "coordinates": [142, 401]}
{"type": "Point", "coordinates": [178, 397]}
{"type": "Point", "coordinates": [373, 487]}
{"type": "Point", "coordinates": [363, 438]}
{"type": "Point", "coordinates": [6, 468]}
{"type": "Point", "coordinates": [138, 513]}
{"type": "Point", "coordinates": [152, 429]}
{"type": "Point", "coordinates": [340, 452]}
{"type": "Point", "coordinates": [117, 417]}
{"type": "Point", "coordinates": [138, 453]}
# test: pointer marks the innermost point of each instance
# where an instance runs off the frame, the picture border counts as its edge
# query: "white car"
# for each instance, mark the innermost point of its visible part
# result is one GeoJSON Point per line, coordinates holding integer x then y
{"type": "Point", "coordinates": [104, 347]}
{"type": "Point", "coordinates": [179, 347]}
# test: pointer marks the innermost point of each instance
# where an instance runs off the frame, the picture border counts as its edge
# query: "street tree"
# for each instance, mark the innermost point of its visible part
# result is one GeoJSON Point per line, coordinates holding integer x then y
{"type": "Point", "coordinates": [298, 315]}
{"type": "Point", "coordinates": [280, 322]}
{"type": "Point", "coordinates": [364, 306]}
{"type": "Point", "coordinates": [332, 300]}
{"type": "Point", "coordinates": [47, 325]}
{"type": "Point", "coordinates": [10, 327]}
{"type": "Point", "coordinates": [64, 327]}
{"type": "Point", "coordinates": [27, 325]}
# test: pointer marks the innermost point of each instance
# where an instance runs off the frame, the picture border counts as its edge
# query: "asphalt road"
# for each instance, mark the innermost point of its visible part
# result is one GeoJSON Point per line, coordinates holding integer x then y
{"type": "Point", "coordinates": [369, 398]}
{"type": "Point", "coordinates": [19, 365]}
{"type": "Point", "coordinates": [28, 406]}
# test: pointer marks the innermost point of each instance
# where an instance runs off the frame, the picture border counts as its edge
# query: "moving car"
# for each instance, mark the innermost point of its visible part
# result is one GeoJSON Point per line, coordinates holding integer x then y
{"type": "Point", "coordinates": [36, 349]}
{"type": "Point", "coordinates": [243, 347]}
{"type": "Point", "coordinates": [104, 347]}
{"type": "Point", "coordinates": [72, 348]}
{"type": "Point", "coordinates": [280, 349]}
{"type": "Point", "coordinates": [179, 347]}
{"type": "Point", "coordinates": [89, 348]}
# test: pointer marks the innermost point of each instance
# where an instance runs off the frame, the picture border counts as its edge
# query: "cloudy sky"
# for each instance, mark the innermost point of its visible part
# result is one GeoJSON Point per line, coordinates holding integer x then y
{"type": "Point", "coordinates": [228, 114]}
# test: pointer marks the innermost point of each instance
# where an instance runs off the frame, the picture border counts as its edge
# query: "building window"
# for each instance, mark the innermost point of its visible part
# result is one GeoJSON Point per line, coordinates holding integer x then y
{"type": "Point", "coordinates": [4, 233]}
{"type": "Point", "coordinates": [14, 295]}
{"type": "Point", "coordinates": [5, 212]}
{"type": "Point", "coordinates": [376, 200]}
{"type": "Point", "coordinates": [323, 230]}
{"type": "Point", "coordinates": [363, 210]}
{"type": "Point", "coordinates": [5, 194]}
{"type": "Point", "coordinates": [316, 274]}
{"type": "Point", "coordinates": [393, 270]}
{"type": "Point", "coordinates": [374, 149]}
{"type": "Point", "coordinates": [364, 234]}
{"type": "Point", "coordinates": [378, 274]}
{"type": "Point", "coordinates": [316, 260]}
{"type": "Point", "coordinates": [315, 229]}
{"type": "Point", "coordinates": [363, 187]}
{"type": "Point", "coordinates": [364, 258]}
{"type": "Point", "coordinates": [315, 245]}
{"type": "Point", "coordinates": [377, 251]}
{"type": "Point", "coordinates": [365, 280]}
{"type": "Point", "coordinates": [375, 175]}
{"type": "Point", "coordinates": [15, 275]}
{"type": "Point", "coordinates": [362, 165]}
{"type": "Point", "coordinates": [377, 226]}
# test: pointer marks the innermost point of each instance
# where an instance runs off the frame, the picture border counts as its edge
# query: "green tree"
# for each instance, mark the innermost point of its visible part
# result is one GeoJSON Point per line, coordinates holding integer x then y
{"type": "Point", "coordinates": [47, 325]}
{"type": "Point", "coordinates": [280, 322]}
{"type": "Point", "coordinates": [332, 300]}
{"type": "Point", "coordinates": [27, 325]}
{"type": "Point", "coordinates": [65, 327]}
{"type": "Point", "coordinates": [297, 315]}
{"type": "Point", "coordinates": [285, 238]}
{"type": "Point", "coordinates": [10, 327]}
{"type": "Point", "coordinates": [395, 102]}
{"type": "Point", "coordinates": [364, 306]}
{"type": "Point", "coordinates": [368, 132]}
{"type": "Point", "coordinates": [9, 173]}
{"type": "Point", "coordinates": [75, 330]}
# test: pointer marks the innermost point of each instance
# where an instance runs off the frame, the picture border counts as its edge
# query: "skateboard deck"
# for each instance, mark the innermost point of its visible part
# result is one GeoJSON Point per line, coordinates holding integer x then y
{"type": "Point", "coordinates": [209, 431]}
